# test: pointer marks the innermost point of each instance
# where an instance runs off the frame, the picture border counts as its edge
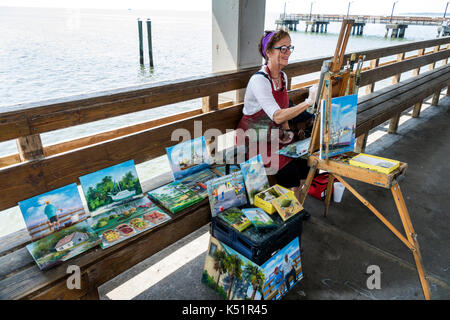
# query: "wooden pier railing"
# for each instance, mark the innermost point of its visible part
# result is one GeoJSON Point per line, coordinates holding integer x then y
{"type": "Point", "coordinates": [36, 168]}
{"type": "Point", "coordinates": [410, 20]}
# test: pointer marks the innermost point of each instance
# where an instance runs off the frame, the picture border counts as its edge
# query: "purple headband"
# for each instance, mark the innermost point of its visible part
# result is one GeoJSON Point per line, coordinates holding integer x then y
{"type": "Point", "coordinates": [265, 41]}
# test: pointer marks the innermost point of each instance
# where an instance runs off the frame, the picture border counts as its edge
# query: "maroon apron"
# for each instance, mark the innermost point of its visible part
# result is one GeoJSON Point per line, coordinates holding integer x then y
{"type": "Point", "coordinates": [259, 122]}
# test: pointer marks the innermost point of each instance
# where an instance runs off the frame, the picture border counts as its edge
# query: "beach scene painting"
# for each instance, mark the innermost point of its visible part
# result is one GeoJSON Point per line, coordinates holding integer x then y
{"type": "Point", "coordinates": [126, 221]}
{"type": "Point", "coordinates": [188, 157]}
{"type": "Point", "coordinates": [49, 212]}
{"type": "Point", "coordinates": [111, 187]}
{"type": "Point", "coordinates": [282, 271]}
{"type": "Point", "coordinates": [62, 245]}
{"type": "Point", "coordinates": [342, 125]}
{"type": "Point", "coordinates": [255, 177]}
{"type": "Point", "coordinates": [230, 274]}
{"type": "Point", "coordinates": [226, 192]}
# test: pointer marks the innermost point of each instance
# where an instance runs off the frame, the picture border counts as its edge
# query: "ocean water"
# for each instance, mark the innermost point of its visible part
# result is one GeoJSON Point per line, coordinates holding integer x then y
{"type": "Point", "coordinates": [49, 53]}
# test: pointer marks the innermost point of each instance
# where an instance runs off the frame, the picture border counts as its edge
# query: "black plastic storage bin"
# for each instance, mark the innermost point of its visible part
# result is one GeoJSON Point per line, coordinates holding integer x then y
{"type": "Point", "coordinates": [259, 245]}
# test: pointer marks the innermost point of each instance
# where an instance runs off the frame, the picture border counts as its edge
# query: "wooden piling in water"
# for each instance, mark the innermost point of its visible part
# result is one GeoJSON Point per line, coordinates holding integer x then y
{"type": "Point", "coordinates": [149, 39]}
{"type": "Point", "coordinates": [141, 45]}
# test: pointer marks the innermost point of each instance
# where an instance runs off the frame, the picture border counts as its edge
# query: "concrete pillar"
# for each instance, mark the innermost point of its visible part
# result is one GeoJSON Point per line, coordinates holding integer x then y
{"type": "Point", "coordinates": [237, 26]}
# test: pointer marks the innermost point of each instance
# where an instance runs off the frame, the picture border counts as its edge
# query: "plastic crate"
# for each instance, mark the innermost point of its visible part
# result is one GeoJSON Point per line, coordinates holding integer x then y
{"type": "Point", "coordinates": [259, 245]}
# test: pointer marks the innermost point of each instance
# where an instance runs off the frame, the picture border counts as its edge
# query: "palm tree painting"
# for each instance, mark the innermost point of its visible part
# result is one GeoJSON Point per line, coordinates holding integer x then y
{"type": "Point", "coordinates": [230, 274]}
{"type": "Point", "coordinates": [234, 264]}
{"type": "Point", "coordinates": [220, 264]}
{"type": "Point", "coordinates": [255, 276]}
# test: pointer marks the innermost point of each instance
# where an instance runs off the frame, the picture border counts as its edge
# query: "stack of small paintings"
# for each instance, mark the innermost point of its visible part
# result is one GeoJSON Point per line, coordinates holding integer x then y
{"type": "Point", "coordinates": [226, 192]}
{"type": "Point", "coordinates": [126, 221]}
{"type": "Point", "coordinates": [342, 126]}
{"type": "Point", "coordinates": [118, 206]}
{"type": "Point", "coordinates": [258, 218]}
{"type": "Point", "coordinates": [235, 218]}
{"type": "Point", "coordinates": [56, 222]}
{"type": "Point", "coordinates": [234, 277]}
{"type": "Point", "coordinates": [255, 176]}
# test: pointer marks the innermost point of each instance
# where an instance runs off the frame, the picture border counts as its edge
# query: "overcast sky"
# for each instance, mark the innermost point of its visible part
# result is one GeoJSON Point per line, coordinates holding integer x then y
{"type": "Point", "coordinates": [374, 7]}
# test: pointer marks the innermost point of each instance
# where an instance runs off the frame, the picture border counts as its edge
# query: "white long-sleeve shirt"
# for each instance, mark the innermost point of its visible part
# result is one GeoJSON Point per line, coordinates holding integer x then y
{"type": "Point", "coordinates": [258, 95]}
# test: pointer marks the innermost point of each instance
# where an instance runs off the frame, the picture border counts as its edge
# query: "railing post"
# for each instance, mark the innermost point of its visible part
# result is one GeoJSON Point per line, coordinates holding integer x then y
{"type": "Point", "coordinates": [30, 147]}
{"type": "Point", "coordinates": [373, 64]}
{"type": "Point", "coordinates": [210, 103]}
{"type": "Point", "coordinates": [435, 100]}
{"type": "Point", "coordinates": [418, 106]}
{"type": "Point", "coordinates": [416, 109]}
{"type": "Point", "coordinates": [433, 65]}
{"type": "Point", "coordinates": [393, 124]}
{"type": "Point", "coordinates": [420, 53]}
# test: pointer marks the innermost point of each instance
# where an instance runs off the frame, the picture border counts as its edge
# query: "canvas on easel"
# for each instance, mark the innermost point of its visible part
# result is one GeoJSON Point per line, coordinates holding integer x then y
{"type": "Point", "coordinates": [342, 126]}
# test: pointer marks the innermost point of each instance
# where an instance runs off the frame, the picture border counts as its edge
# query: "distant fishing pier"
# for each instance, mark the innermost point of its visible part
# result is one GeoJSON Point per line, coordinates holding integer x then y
{"type": "Point", "coordinates": [396, 25]}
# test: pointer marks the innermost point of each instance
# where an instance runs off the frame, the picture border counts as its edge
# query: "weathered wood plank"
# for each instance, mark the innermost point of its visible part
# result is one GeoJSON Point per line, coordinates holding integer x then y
{"type": "Point", "coordinates": [13, 261]}
{"type": "Point", "coordinates": [13, 241]}
{"type": "Point", "coordinates": [380, 73]}
{"type": "Point", "coordinates": [366, 102]}
{"type": "Point", "coordinates": [381, 113]}
{"type": "Point", "coordinates": [30, 147]}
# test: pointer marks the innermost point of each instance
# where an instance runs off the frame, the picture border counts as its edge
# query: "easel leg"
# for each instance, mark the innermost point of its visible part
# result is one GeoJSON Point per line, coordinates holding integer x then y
{"type": "Point", "coordinates": [412, 237]}
{"type": "Point", "coordinates": [329, 192]}
{"type": "Point", "coordinates": [309, 178]}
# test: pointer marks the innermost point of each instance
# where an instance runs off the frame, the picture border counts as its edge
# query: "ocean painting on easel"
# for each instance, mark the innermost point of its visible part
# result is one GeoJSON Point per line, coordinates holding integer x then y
{"type": "Point", "coordinates": [342, 125]}
{"type": "Point", "coordinates": [188, 157]}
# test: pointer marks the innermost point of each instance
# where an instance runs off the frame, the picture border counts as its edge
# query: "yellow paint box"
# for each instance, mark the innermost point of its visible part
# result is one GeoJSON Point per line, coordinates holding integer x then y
{"type": "Point", "coordinates": [264, 198]}
{"type": "Point", "coordinates": [375, 163]}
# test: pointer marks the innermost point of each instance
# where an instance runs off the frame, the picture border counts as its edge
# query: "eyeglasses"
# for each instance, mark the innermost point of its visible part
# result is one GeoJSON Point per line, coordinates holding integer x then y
{"type": "Point", "coordinates": [284, 49]}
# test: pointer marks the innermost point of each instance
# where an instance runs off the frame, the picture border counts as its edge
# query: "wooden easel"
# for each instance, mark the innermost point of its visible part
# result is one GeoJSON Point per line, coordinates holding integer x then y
{"type": "Point", "coordinates": [339, 83]}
